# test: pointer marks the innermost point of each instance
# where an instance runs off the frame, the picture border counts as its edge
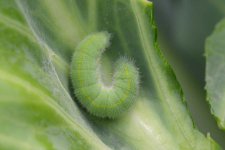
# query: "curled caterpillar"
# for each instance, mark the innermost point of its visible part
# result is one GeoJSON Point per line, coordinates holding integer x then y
{"type": "Point", "coordinates": [98, 98]}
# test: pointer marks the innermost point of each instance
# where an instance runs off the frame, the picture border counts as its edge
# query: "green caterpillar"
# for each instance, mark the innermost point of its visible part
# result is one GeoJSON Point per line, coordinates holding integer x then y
{"type": "Point", "coordinates": [98, 98]}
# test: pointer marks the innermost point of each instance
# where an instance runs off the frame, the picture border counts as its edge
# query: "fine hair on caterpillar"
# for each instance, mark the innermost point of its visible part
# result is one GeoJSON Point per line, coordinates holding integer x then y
{"type": "Point", "coordinates": [98, 98]}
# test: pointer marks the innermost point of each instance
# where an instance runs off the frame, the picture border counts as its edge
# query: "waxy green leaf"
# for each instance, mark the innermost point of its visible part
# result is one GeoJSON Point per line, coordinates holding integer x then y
{"type": "Point", "coordinates": [37, 108]}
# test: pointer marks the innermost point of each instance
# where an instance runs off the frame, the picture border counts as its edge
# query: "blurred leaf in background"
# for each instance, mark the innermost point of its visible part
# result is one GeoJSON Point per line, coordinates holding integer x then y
{"type": "Point", "coordinates": [215, 71]}
{"type": "Point", "coordinates": [183, 27]}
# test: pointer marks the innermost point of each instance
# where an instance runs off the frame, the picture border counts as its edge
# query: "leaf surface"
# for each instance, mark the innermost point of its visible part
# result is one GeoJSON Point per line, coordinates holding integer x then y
{"type": "Point", "coordinates": [37, 42]}
{"type": "Point", "coordinates": [215, 70]}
